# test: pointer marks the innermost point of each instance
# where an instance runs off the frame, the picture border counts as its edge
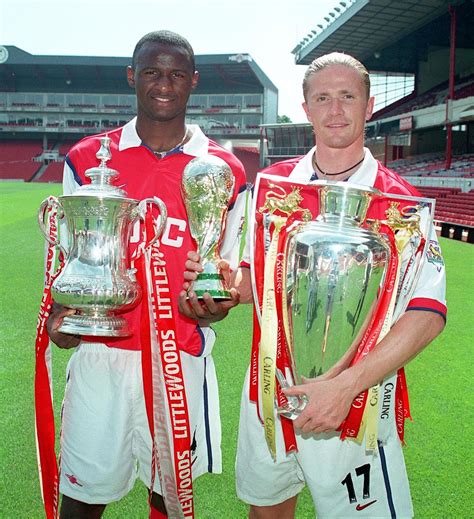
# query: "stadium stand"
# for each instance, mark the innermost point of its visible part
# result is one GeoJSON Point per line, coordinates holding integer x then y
{"type": "Point", "coordinates": [433, 164]}
{"type": "Point", "coordinates": [64, 148]}
{"type": "Point", "coordinates": [435, 96]}
{"type": "Point", "coordinates": [233, 98]}
{"type": "Point", "coordinates": [454, 211]}
{"type": "Point", "coordinates": [418, 133]}
{"type": "Point", "coordinates": [424, 129]}
{"type": "Point", "coordinates": [250, 158]}
{"type": "Point", "coordinates": [18, 170]}
{"type": "Point", "coordinates": [52, 173]}
{"type": "Point", "coordinates": [16, 160]}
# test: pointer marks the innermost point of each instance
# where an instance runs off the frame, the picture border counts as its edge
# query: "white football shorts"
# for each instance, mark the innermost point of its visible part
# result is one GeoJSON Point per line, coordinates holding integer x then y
{"type": "Point", "coordinates": [105, 437]}
{"type": "Point", "coordinates": [344, 479]}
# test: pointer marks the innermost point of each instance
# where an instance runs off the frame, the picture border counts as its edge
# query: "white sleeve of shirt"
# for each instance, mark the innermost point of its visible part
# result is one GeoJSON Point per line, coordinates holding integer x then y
{"type": "Point", "coordinates": [432, 281]}
{"type": "Point", "coordinates": [69, 182]}
{"type": "Point", "coordinates": [69, 186]}
{"type": "Point", "coordinates": [248, 237]}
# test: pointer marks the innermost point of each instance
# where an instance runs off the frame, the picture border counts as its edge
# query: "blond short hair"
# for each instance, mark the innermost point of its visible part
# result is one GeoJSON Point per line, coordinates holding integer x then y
{"type": "Point", "coordinates": [336, 58]}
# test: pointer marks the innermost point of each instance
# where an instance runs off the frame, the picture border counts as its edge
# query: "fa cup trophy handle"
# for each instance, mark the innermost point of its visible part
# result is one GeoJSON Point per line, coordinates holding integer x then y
{"type": "Point", "coordinates": [140, 212]}
{"type": "Point", "coordinates": [50, 203]}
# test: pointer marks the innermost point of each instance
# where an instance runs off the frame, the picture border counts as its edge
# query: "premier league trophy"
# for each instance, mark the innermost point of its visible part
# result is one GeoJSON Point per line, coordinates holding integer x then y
{"type": "Point", "coordinates": [328, 283]}
{"type": "Point", "coordinates": [207, 187]}
{"type": "Point", "coordinates": [334, 269]}
{"type": "Point", "coordinates": [96, 279]}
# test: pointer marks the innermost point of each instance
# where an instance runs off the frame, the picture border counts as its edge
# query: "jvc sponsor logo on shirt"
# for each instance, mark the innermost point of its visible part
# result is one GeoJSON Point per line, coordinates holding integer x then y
{"type": "Point", "coordinates": [172, 235]}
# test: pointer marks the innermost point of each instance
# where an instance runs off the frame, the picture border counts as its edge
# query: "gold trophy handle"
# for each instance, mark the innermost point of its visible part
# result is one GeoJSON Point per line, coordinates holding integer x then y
{"type": "Point", "coordinates": [42, 213]}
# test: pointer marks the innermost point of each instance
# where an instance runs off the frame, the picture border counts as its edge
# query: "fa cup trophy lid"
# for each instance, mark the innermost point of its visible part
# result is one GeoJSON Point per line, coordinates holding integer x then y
{"type": "Point", "coordinates": [101, 176]}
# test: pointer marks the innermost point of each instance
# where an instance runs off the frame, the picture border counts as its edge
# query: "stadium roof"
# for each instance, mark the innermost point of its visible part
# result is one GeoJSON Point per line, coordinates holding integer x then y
{"type": "Point", "coordinates": [387, 36]}
{"type": "Point", "coordinates": [25, 72]}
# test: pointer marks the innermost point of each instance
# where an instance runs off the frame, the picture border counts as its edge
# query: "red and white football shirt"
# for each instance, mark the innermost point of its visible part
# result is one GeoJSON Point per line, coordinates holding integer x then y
{"type": "Point", "coordinates": [142, 175]}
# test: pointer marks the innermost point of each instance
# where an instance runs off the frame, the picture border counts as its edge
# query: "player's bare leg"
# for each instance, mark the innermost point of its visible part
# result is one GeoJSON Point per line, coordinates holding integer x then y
{"type": "Point", "coordinates": [285, 510]}
{"type": "Point", "coordinates": [158, 509]}
{"type": "Point", "coordinates": [73, 509]}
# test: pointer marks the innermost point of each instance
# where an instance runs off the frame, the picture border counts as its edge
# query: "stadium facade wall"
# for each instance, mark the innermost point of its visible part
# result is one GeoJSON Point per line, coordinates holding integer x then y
{"type": "Point", "coordinates": [437, 66]}
{"type": "Point", "coordinates": [464, 184]}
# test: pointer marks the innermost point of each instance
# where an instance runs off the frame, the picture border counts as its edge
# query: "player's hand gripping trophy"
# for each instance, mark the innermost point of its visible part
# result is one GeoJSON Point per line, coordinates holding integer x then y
{"type": "Point", "coordinates": [207, 188]}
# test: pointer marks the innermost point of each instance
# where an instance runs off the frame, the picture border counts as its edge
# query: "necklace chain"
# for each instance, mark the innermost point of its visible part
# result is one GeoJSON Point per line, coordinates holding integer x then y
{"type": "Point", "coordinates": [318, 167]}
{"type": "Point", "coordinates": [162, 153]}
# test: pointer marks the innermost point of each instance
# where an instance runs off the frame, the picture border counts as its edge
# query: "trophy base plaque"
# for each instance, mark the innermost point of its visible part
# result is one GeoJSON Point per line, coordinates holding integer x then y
{"type": "Point", "coordinates": [97, 326]}
{"type": "Point", "coordinates": [211, 283]}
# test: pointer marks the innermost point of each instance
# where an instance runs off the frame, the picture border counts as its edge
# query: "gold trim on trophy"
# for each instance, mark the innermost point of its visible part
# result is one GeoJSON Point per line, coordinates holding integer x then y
{"type": "Point", "coordinates": [287, 203]}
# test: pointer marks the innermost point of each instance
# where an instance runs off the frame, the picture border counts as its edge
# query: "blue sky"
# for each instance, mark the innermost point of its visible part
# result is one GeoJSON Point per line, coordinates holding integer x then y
{"type": "Point", "coordinates": [266, 29]}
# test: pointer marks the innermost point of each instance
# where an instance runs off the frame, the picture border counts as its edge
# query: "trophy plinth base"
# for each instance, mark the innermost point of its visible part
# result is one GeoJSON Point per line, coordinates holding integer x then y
{"type": "Point", "coordinates": [217, 295]}
{"type": "Point", "coordinates": [97, 326]}
{"type": "Point", "coordinates": [211, 284]}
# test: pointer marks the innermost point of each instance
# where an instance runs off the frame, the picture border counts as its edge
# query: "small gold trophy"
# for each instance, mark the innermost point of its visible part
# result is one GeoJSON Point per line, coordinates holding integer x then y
{"type": "Point", "coordinates": [207, 187]}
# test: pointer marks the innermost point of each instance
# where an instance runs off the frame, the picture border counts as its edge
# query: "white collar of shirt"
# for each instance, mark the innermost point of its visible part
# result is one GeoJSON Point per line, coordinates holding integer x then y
{"type": "Point", "coordinates": [198, 144]}
{"type": "Point", "coordinates": [365, 175]}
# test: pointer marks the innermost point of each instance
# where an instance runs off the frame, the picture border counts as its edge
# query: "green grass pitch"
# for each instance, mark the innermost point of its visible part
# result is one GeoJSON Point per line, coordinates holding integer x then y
{"type": "Point", "coordinates": [438, 452]}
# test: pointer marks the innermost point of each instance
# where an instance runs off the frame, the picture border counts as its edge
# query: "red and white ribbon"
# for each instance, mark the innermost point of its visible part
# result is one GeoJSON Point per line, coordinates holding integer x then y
{"type": "Point", "coordinates": [44, 412]}
{"type": "Point", "coordinates": [164, 382]}
{"type": "Point", "coordinates": [162, 378]}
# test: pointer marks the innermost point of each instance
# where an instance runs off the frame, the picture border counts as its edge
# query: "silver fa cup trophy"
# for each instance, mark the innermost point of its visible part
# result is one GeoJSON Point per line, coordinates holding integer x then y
{"type": "Point", "coordinates": [207, 187]}
{"type": "Point", "coordinates": [97, 280]}
{"type": "Point", "coordinates": [334, 269]}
